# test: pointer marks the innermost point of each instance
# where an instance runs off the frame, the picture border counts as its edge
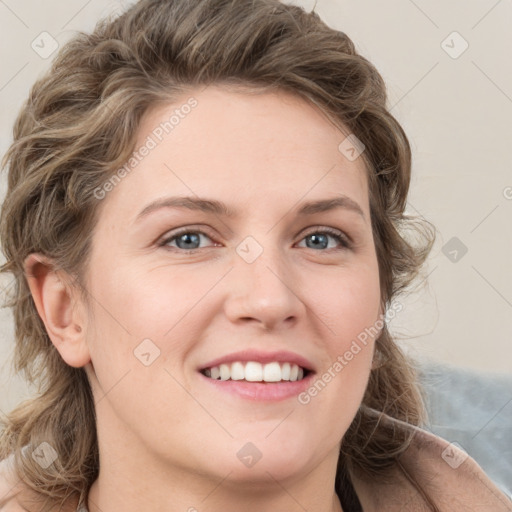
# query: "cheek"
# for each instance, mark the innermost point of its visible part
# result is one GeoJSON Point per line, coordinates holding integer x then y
{"type": "Point", "coordinates": [132, 307]}
{"type": "Point", "coordinates": [348, 304]}
{"type": "Point", "coordinates": [145, 303]}
{"type": "Point", "coordinates": [138, 342]}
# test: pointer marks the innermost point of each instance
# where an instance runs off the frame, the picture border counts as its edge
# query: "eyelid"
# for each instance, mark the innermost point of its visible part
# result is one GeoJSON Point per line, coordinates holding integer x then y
{"type": "Point", "coordinates": [345, 240]}
{"type": "Point", "coordinates": [172, 234]}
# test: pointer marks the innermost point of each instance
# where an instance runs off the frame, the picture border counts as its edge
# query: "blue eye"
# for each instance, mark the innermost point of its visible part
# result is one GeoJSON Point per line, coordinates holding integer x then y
{"type": "Point", "coordinates": [186, 240]}
{"type": "Point", "coordinates": [189, 240]}
{"type": "Point", "coordinates": [320, 239]}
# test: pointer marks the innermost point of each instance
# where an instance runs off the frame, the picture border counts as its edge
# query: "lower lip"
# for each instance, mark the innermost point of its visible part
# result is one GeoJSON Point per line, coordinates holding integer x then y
{"type": "Point", "coordinates": [271, 391]}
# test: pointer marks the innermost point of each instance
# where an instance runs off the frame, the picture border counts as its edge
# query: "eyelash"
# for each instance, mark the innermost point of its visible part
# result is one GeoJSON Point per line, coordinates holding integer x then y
{"type": "Point", "coordinates": [341, 238]}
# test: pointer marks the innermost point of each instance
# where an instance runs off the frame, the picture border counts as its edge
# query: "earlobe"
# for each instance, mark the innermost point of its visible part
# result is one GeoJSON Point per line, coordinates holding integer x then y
{"type": "Point", "coordinates": [57, 306]}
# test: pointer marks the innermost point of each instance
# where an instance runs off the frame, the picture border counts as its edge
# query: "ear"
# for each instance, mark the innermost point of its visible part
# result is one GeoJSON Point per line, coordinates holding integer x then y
{"type": "Point", "coordinates": [62, 313]}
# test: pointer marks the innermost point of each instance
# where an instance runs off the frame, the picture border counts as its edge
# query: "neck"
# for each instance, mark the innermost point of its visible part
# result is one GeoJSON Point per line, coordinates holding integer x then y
{"type": "Point", "coordinates": [138, 474]}
{"type": "Point", "coordinates": [171, 499]}
{"type": "Point", "coordinates": [133, 490]}
{"type": "Point", "coordinates": [132, 478]}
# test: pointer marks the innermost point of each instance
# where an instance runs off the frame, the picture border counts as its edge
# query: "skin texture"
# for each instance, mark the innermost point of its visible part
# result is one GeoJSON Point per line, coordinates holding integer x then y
{"type": "Point", "coordinates": [169, 439]}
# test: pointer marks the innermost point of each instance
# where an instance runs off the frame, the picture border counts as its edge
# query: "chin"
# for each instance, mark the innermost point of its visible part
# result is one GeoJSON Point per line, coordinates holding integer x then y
{"type": "Point", "coordinates": [251, 459]}
{"type": "Point", "coordinates": [262, 472]}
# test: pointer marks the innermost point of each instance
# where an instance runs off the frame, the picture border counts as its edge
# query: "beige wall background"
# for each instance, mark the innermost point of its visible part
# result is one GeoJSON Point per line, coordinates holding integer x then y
{"type": "Point", "coordinates": [449, 76]}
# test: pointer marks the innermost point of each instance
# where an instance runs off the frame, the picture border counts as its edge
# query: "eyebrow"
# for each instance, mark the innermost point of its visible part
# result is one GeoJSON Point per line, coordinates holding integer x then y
{"type": "Point", "coordinates": [221, 209]}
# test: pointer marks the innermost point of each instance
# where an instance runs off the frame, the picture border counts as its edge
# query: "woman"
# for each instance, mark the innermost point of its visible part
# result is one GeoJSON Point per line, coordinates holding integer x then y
{"type": "Point", "coordinates": [203, 217]}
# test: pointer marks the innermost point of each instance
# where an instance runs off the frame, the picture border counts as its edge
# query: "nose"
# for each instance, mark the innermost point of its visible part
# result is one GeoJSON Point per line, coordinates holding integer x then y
{"type": "Point", "coordinates": [263, 292]}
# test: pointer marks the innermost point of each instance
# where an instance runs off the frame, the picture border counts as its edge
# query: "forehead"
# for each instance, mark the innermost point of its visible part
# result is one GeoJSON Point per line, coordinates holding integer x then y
{"type": "Point", "coordinates": [243, 146]}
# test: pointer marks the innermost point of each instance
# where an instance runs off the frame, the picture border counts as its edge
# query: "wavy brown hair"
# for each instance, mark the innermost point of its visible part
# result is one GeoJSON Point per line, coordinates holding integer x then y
{"type": "Point", "coordinates": [78, 127]}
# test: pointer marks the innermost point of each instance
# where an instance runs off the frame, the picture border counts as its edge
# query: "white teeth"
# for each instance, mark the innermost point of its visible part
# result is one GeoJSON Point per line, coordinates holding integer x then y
{"type": "Point", "coordinates": [285, 371]}
{"type": "Point", "coordinates": [294, 372]}
{"type": "Point", "coordinates": [272, 372]}
{"type": "Point", "coordinates": [225, 372]}
{"type": "Point", "coordinates": [253, 371]}
{"type": "Point", "coordinates": [237, 371]}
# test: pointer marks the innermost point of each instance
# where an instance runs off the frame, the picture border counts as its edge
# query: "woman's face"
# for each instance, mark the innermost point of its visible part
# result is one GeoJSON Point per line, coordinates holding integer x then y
{"type": "Point", "coordinates": [267, 278]}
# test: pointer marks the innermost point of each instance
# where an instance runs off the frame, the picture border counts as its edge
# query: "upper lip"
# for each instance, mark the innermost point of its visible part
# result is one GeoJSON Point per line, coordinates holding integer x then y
{"type": "Point", "coordinates": [281, 356]}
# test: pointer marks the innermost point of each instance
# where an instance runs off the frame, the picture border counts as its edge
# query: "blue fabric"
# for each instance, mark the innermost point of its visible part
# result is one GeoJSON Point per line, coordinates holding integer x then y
{"type": "Point", "coordinates": [473, 409]}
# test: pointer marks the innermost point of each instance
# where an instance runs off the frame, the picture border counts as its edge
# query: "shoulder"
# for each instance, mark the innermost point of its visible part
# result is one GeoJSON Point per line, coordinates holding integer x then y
{"type": "Point", "coordinates": [10, 488]}
{"type": "Point", "coordinates": [16, 496]}
{"type": "Point", "coordinates": [454, 475]}
{"type": "Point", "coordinates": [449, 476]}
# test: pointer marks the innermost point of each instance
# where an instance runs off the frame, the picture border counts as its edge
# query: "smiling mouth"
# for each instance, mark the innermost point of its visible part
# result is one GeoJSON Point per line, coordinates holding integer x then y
{"type": "Point", "coordinates": [253, 371]}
